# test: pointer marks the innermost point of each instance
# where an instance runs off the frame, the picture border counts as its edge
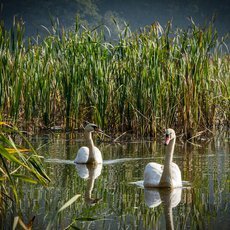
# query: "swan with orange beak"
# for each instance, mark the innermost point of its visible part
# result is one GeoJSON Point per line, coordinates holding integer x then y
{"type": "Point", "coordinates": [167, 175]}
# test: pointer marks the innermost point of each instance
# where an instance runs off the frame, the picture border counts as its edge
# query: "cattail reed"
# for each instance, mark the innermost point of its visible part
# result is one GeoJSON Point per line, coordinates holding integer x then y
{"type": "Point", "coordinates": [141, 82]}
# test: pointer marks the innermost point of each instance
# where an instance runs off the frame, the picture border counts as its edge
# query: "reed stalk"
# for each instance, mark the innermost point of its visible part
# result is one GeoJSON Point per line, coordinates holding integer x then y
{"type": "Point", "coordinates": [141, 82]}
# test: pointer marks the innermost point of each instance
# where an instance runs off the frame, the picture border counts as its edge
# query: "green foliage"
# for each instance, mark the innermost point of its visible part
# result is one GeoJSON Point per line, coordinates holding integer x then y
{"type": "Point", "coordinates": [155, 78]}
{"type": "Point", "coordinates": [18, 163]}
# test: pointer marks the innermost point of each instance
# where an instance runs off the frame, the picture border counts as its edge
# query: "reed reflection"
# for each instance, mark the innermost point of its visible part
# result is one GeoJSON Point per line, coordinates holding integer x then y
{"type": "Point", "coordinates": [169, 199]}
{"type": "Point", "coordinates": [89, 172]}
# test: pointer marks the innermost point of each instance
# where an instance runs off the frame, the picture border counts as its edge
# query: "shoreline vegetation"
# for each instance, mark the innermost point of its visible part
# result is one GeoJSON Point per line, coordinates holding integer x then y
{"type": "Point", "coordinates": [17, 164]}
{"type": "Point", "coordinates": [141, 83]}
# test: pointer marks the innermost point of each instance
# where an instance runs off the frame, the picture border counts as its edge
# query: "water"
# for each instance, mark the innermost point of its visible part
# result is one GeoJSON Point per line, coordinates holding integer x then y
{"type": "Point", "coordinates": [113, 196]}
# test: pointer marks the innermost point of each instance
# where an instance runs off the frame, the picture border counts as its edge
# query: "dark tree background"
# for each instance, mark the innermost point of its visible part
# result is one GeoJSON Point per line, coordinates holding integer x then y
{"type": "Point", "coordinates": [135, 13]}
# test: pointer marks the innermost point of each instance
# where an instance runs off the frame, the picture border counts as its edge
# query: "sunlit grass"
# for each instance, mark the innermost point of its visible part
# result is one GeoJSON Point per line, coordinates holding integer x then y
{"type": "Point", "coordinates": [18, 163]}
{"type": "Point", "coordinates": [142, 82]}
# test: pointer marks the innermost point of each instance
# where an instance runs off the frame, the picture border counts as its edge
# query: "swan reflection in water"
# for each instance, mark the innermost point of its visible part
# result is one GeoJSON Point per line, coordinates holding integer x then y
{"type": "Point", "coordinates": [169, 198]}
{"type": "Point", "coordinates": [89, 172]}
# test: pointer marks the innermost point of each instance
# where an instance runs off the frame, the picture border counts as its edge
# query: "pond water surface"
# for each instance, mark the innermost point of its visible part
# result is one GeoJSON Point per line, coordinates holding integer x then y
{"type": "Point", "coordinates": [112, 196]}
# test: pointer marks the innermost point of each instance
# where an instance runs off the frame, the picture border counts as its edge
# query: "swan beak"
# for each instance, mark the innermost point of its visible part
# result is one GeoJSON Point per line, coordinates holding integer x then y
{"type": "Point", "coordinates": [98, 130]}
{"type": "Point", "coordinates": [167, 140]}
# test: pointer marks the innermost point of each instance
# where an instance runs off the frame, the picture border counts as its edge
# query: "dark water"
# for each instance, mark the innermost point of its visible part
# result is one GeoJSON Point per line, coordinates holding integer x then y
{"type": "Point", "coordinates": [113, 199]}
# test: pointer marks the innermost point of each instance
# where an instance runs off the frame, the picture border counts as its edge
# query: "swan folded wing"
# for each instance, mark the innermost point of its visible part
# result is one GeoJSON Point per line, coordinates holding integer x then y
{"type": "Point", "coordinates": [176, 175]}
{"type": "Point", "coordinates": [82, 155]}
{"type": "Point", "coordinates": [152, 174]}
{"type": "Point", "coordinates": [98, 156]}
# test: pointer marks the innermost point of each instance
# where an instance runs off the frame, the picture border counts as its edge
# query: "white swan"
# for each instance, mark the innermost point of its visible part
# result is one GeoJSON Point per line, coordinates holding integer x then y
{"type": "Point", "coordinates": [167, 175]}
{"type": "Point", "coordinates": [90, 154]}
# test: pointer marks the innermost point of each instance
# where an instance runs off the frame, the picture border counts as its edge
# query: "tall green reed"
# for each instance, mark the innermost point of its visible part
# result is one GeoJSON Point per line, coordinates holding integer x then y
{"type": "Point", "coordinates": [142, 82]}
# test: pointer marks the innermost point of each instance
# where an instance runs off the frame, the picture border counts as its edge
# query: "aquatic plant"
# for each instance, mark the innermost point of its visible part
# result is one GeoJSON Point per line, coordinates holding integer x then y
{"type": "Point", "coordinates": [17, 163]}
{"type": "Point", "coordinates": [141, 82]}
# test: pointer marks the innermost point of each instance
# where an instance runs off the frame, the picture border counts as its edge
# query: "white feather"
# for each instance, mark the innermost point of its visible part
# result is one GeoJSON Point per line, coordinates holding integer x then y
{"type": "Point", "coordinates": [153, 172]}
{"type": "Point", "coordinates": [171, 175]}
{"type": "Point", "coordinates": [83, 155]}
{"type": "Point", "coordinates": [89, 154]}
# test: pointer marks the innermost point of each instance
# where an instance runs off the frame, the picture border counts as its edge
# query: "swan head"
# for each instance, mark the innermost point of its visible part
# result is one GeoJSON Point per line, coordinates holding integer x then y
{"type": "Point", "coordinates": [91, 128]}
{"type": "Point", "coordinates": [169, 135]}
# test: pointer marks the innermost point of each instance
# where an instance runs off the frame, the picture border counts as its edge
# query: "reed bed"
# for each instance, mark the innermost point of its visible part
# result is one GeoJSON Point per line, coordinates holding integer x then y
{"type": "Point", "coordinates": [141, 82]}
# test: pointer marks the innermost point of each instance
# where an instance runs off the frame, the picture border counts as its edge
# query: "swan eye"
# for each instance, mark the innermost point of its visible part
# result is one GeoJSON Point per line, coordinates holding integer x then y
{"type": "Point", "coordinates": [168, 135]}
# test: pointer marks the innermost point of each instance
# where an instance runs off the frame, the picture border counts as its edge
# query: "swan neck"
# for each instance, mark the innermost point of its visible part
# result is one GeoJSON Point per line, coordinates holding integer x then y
{"type": "Point", "coordinates": [169, 153]}
{"type": "Point", "coordinates": [89, 139]}
{"type": "Point", "coordinates": [166, 178]}
{"type": "Point", "coordinates": [90, 144]}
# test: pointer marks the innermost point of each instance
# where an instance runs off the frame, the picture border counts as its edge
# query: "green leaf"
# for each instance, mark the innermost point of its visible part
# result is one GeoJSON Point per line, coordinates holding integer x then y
{"type": "Point", "coordinates": [69, 202]}
{"type": "Point", "coordinates": [16, 219]}
{"type": "Point", "coordinates": [9, 157]}
{"type": "Point", "coordinates": [25, 178]}
{"type": "Point", "coordinates": [86, 219]}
